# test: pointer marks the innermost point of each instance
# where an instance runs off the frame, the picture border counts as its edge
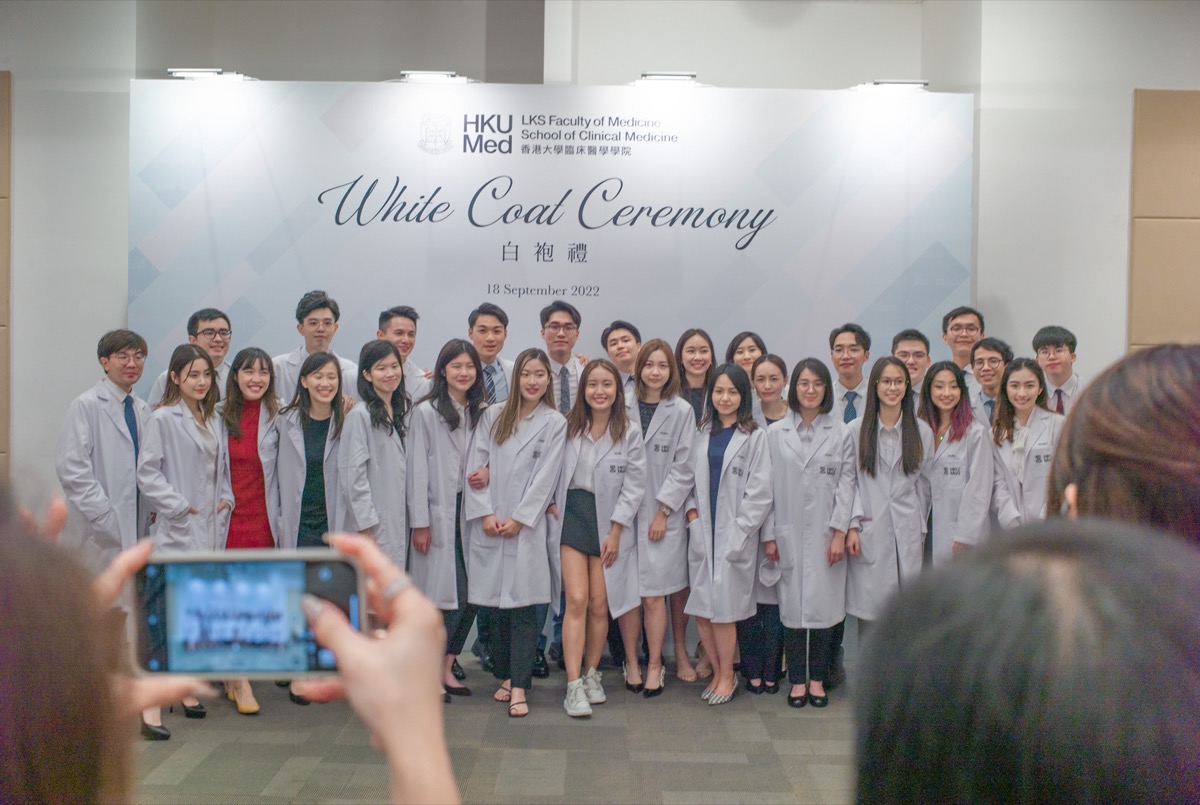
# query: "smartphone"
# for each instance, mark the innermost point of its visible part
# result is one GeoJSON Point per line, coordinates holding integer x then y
{"type": "Point", "coordinates": [237, 614]}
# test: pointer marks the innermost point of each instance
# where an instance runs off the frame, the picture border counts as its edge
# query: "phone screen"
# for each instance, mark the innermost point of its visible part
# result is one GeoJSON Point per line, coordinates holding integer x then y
{"type": "Point", "coordinates": [225, 615]}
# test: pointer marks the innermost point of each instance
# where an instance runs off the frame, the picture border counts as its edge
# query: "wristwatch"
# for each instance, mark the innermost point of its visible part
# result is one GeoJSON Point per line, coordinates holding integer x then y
{"type": "Point", "coordinates": [664, 509]}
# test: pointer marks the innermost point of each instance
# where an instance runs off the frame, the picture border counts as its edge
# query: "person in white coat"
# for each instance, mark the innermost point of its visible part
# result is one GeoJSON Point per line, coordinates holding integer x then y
{"type": "Point", "coordinates": [769, 377]}
{"type": "Point", "coordinates": [183, 465]}
{"type": "Point", "coordinates": [961, 472]}
{"type": "Point", "coordinates": [96, 462]}
{"type": "Point", "coordinates": [730, 501]}
{"type": "Point", "coordinates": [508, 557]}
{"type": "Point", "coordinates": [209, 329]}
{"type": "Point", "coordinates": [602, 481]}
{"type": "Point", "coordinates": [667, 427]}
{"type": "Point", "coordinates": [813, 462]}
{"type": "Point", "coordinates": [252, 441]}
{"type": "Point", "coordinates": [372, 464]}
{"type": "Point", "coordinates": [399, 325]}
{"type": "Point", "coordinates": [439, 436]}
{"type": "Point", "coordinates": [891, 505]}
{"type": "Point", "coordinates": [310, 430]}
{"type": "Point", "coordinates": [1024, 435]}
{"type": "Point", "coordinates": [317, 318]}
{"type": "Point", "coordinates": [744, 350]}
{"type": "Point", "coordinates": [696, 356]}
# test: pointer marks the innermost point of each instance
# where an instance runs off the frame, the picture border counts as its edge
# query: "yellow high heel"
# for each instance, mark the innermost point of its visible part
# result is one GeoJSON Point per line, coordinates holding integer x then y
{"type": "Point", "coordinates": [245, 708]}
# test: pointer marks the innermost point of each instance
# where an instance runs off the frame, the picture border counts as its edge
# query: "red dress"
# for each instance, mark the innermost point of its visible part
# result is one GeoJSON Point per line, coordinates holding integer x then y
{"type": "Point", "coordinates": [248, 526]}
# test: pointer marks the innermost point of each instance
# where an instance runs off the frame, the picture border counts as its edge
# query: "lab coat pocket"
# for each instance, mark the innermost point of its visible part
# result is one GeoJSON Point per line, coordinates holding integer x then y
{"type": "Point", "coordinates": [866, 539]}
{"type": "Point", "coordinates": [440, 514]}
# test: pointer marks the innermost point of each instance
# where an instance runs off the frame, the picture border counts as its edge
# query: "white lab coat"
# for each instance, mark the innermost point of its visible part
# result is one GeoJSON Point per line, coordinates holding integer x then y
{"type": "Point", "coordinates": [97, 468]}
{"type": "Point", "coordinates": [160, 384]}
{"type": "Point", "coordinates": [436, 471]}
{"type": "Point", "coordinates": [511, 572]}
{"type": "Point", "coordinates": [723, 560]}
{"type": "Point", "coordinates": [813, 497]}
{"type": "Point", "coordinates": [960, 483]}
{"type": "Point", "coordinates": [174, 475]}
{"type": "Point", "coordinates": [291, 468]}
{"type": "Point", "coordinates": [287, 375]}
{"type": "Point", "coordinates": [980, 410]}
{"type": "Point", "coordinates": [268, 454]}
{"type": "Point", "coordinates": [372, 467]}
{"type": "Point", "coordinates": [416, 385]}
{"type": "Point", "coordinates": [663, 565]}
{"type": "Point", "coordinates": [619, 478]}
{"type": "Point", "coordinates": [1016, 503]}
{"type": "Point", "coordinates": [890, 512]}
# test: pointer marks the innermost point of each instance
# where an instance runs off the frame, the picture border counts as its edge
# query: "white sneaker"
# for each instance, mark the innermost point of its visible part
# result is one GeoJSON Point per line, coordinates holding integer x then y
{"type": "Point", "coordinates": [576, 703]}
{"type": "Point", "coordinates": [593, 688]}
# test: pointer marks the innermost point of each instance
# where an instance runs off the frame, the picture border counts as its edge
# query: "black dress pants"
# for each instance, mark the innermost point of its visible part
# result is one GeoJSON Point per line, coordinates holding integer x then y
{"type": "Point", "coordinates": [514, 643]}
{"type": "Point", "coordinates": [458, 621]}
{"type": "Point", "coordinates": [760, 637]}
{"type": "Point", "coordinates": [808, 650]}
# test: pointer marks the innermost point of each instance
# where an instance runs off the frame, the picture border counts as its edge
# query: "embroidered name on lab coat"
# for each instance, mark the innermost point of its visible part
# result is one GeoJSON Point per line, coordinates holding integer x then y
{"type": "Point", "coordinates": [827, 470]}
{"type": "Point", "coordinates": [739, 471]}
{"type": "Point", "coordinates": [537, 454]}
{"type": "Point", "coordinates": [952, 471]}
{"type": "Point", "coordinates": [1041, 458]}
{"type": "Point", "coordinates": [662, 448]}
{"type": "Point", "coordinates": [613, 468]}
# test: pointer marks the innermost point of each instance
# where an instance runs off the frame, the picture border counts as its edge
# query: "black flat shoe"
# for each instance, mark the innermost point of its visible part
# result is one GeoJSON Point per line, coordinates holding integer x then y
{"type": "Point", "coordinates": [155, 732]}
{"type": "Point", "coordinates": [770, 687]}
{"type": "Point", "coordinates": [540, 669]}
{"type": "Point", "coordinates": [282, 683]}
{"type": "Point", "coordinates": [457, 690]}
{"type": "Point", "coordinates": [190, 711]}
{"type": "Point", "coordinates": [457, 670]}
{"type": "Point", "coordinates": [797, 701]}
{"type": "Point", "coordinates": [298, 699]}
{"type": "Point", "coordinates": [446, 697]}
{"type": "Point", "coordinates": [818, 701]}
{"type": "Point", "coordinates": [753, 688]}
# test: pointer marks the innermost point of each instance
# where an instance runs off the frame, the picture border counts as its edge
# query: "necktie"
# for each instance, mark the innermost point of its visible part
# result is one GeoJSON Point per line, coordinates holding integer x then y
{"type": "Point", "coordinates": [488, 371]}
{"type": "Point", "coordinates": [1058, 401]}
{"type": "Point", "coordinates": [564, 388]}
{"type": "Point", "coordinates": [131, 422]}
{"type": "Point", "coordinates": [990, 405]}
{"type": "Point", "coordinates": [850, 414]}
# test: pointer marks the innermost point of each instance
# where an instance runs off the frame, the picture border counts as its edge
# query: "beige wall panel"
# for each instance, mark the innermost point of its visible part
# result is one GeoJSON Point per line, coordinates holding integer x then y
{"type": "Point", "coordinates": [5, 272]}
{"type": "Point", "coordinates": [4, 401]}
{"type": "Point", "coordinates": [5, 134]}
{"type": "Point", "coordinates": [1166, 154]}
{"type": "Point", "coordinates": [1164, 282]}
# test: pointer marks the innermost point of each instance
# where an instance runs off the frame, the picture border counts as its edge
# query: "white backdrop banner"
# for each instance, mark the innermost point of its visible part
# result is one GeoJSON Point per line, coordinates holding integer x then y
{"type": "Point", "coordinates": [783, 212]}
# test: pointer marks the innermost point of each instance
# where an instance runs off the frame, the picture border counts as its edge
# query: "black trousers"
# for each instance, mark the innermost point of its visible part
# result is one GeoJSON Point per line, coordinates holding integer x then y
{"type": "Point", "coordinates": [514, 643]}
{"type": "Point", "coordinates": [458, 621]}
{"type": "Point", "coordinates": [813, 645]}
{"type": "Point", "coordinates": [760, 638]}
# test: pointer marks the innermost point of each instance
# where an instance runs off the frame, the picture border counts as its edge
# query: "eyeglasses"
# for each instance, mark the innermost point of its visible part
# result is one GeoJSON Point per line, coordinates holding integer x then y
{"type": "Point", "coordinates": [555, 327]}
{"type": "Point", "coordinates": [891, 382]}
{"type": "Point", "coordinates": [127, 357]}
{"type": "Point", "coordinates": [211, 333]}
{"type": "Point", "coordinates": [916, 356]}
{"type": "Point", "coordinates": [853, 349]}
{"type": "Point", "coordinates": [968, 329]}
{"type": "Point", "coordinates": [810, 385]}
{"type": "Point", "coordinates": [1052, 352]}
{"type": "Point", "coordinates": [990, 363]}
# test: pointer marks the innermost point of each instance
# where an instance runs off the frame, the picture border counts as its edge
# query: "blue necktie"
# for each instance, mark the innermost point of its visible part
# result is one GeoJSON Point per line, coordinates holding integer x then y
{"type": "Point", "coordinates": [850, 414]}
{"type": "Point", "coordinates": [990, 405]}
{"type": "Point", "coordinates": [564, 385]}
{"type": "Point", "coordinates": [131, 422]}
{"type": "Point", "coordinates": [488, 382]}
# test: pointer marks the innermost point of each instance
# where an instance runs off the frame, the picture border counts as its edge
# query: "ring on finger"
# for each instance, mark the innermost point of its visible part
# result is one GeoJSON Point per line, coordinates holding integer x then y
{"type": "Point", "coordinates": [396, 586]}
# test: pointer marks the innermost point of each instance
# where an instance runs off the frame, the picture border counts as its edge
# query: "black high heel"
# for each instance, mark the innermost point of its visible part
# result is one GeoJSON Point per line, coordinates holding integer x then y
{"type": "Point", "coordinates": [197, 710]}
{"type": "Point", "coordinates": [155, 732]}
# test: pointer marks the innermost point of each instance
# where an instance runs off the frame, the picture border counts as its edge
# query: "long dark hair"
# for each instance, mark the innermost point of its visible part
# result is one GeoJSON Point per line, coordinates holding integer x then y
{"type": "Point", "coordinates": [962, 416]}
{"type": "Point", "coordinates": [731, 350]}
{"type": "Point", "coordinates": [818, 368]}
{"type": "Point", "coordinates": [579, 418]}
{"type": "Point", "coordinates": [911, 449]}
{"type": "Point", "coordinates": [745, 413]}
{"type": "Point", "coordinates": [235, 401]}
{"type": "Point", "coordinates": [1006, 415]}
{"type": "Point", "coordinates": [506, 424]}
{"type": "Point", "coordinates": [302, 402]}
{"type": "Point", "coordinates": [711, 374]}
{"type": "Point", "coordinates": [181, 359]}
{"type": "Point", "coordinates": [671, 389]}
{"type": "Point", "coordinates": [372, 353]}
{"type": "Point", "coordinates": [439, 396]}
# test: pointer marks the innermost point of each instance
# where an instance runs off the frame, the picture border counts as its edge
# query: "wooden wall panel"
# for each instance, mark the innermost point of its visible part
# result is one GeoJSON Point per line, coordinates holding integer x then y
{"type": "Point", "coordinates": [1164, 286]}
{"type": "Point", "coordinates": [1164, 242]}
{"type": "Point", "coordinates": [1166, 154]}
{"type": "Point", "coordinates": [5, 264]}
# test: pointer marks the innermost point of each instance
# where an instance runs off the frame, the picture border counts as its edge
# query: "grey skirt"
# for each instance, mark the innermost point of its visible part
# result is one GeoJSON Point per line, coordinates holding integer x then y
{"type": "Point", "coordinates": [579, 523]}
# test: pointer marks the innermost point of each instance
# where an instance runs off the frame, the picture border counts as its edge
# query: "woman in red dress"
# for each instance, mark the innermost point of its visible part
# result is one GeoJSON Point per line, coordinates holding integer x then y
{"type": "Point", "coordinates": [249, 410]}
